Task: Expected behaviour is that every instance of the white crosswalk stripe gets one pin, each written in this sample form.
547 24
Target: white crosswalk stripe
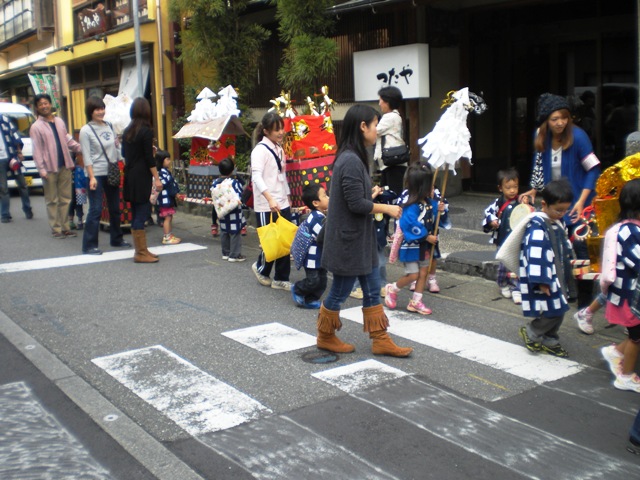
272 338
360 375
193 399
476 347
74 260
35 444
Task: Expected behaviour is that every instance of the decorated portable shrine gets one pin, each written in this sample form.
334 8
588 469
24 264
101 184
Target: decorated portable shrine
603 212
309 143
213 127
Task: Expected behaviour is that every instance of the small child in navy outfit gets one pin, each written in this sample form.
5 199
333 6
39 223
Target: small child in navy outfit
232 224
167 199
307 293
497 221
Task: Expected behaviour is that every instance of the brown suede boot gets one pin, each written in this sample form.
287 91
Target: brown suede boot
141 254
376 324
328 323
144 246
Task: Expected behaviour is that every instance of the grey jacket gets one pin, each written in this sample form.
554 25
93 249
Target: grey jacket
349 241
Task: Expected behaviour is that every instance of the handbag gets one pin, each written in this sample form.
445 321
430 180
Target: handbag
276 238
113 172
300 246
225 198
394 156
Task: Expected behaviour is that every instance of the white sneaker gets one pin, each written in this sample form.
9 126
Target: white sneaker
516 296
225 257
506 292
613 358
627 382
262 280
584 318
281 285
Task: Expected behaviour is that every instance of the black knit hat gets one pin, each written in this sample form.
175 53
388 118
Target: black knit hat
549 103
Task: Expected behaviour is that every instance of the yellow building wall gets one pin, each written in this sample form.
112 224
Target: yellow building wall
117 43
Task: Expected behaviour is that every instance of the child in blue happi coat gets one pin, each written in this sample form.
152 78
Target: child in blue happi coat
232 224
546 279
307 293
419 212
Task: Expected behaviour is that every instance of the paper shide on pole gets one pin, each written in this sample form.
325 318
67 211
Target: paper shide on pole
448 142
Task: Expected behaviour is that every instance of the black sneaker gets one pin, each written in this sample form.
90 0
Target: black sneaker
530 344
633 446
556 350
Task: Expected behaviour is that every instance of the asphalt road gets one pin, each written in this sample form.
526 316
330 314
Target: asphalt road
190 369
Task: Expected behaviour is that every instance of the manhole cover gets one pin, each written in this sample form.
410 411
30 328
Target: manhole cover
319 357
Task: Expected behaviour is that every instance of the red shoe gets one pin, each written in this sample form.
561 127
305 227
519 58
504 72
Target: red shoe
214 230
243 231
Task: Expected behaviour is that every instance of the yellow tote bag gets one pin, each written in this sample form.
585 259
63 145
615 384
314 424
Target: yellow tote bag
276 238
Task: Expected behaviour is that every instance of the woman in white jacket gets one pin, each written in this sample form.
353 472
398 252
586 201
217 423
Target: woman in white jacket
390 133
271 194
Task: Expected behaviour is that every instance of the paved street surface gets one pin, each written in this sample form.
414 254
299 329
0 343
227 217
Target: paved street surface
190 369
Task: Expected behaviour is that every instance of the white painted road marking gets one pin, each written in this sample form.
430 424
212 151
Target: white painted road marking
193 399
35 445
476 347
88 259
360 375
527 450
278 448
272 338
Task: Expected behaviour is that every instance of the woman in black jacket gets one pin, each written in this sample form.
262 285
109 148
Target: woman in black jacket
349 249
140 174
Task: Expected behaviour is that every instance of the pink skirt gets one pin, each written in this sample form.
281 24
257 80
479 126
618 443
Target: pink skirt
167 212
621 315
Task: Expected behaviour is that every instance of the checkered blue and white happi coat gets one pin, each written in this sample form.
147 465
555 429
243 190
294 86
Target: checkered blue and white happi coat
537 266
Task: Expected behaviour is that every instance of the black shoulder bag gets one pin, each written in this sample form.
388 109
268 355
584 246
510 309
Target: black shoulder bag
394 156
113 172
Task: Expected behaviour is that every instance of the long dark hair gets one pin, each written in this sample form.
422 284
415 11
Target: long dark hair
140 117
418 180
351 136
630 200
271 121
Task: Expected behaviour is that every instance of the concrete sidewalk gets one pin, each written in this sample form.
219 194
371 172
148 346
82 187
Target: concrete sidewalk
465 248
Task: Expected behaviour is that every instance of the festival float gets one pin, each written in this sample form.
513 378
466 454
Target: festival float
309 144
212 127
602 213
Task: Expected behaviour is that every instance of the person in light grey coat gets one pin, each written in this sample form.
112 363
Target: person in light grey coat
349 245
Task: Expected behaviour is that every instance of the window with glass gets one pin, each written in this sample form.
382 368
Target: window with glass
16 18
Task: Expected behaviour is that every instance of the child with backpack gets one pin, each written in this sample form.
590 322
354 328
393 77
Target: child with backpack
307 293
621 287
225 192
